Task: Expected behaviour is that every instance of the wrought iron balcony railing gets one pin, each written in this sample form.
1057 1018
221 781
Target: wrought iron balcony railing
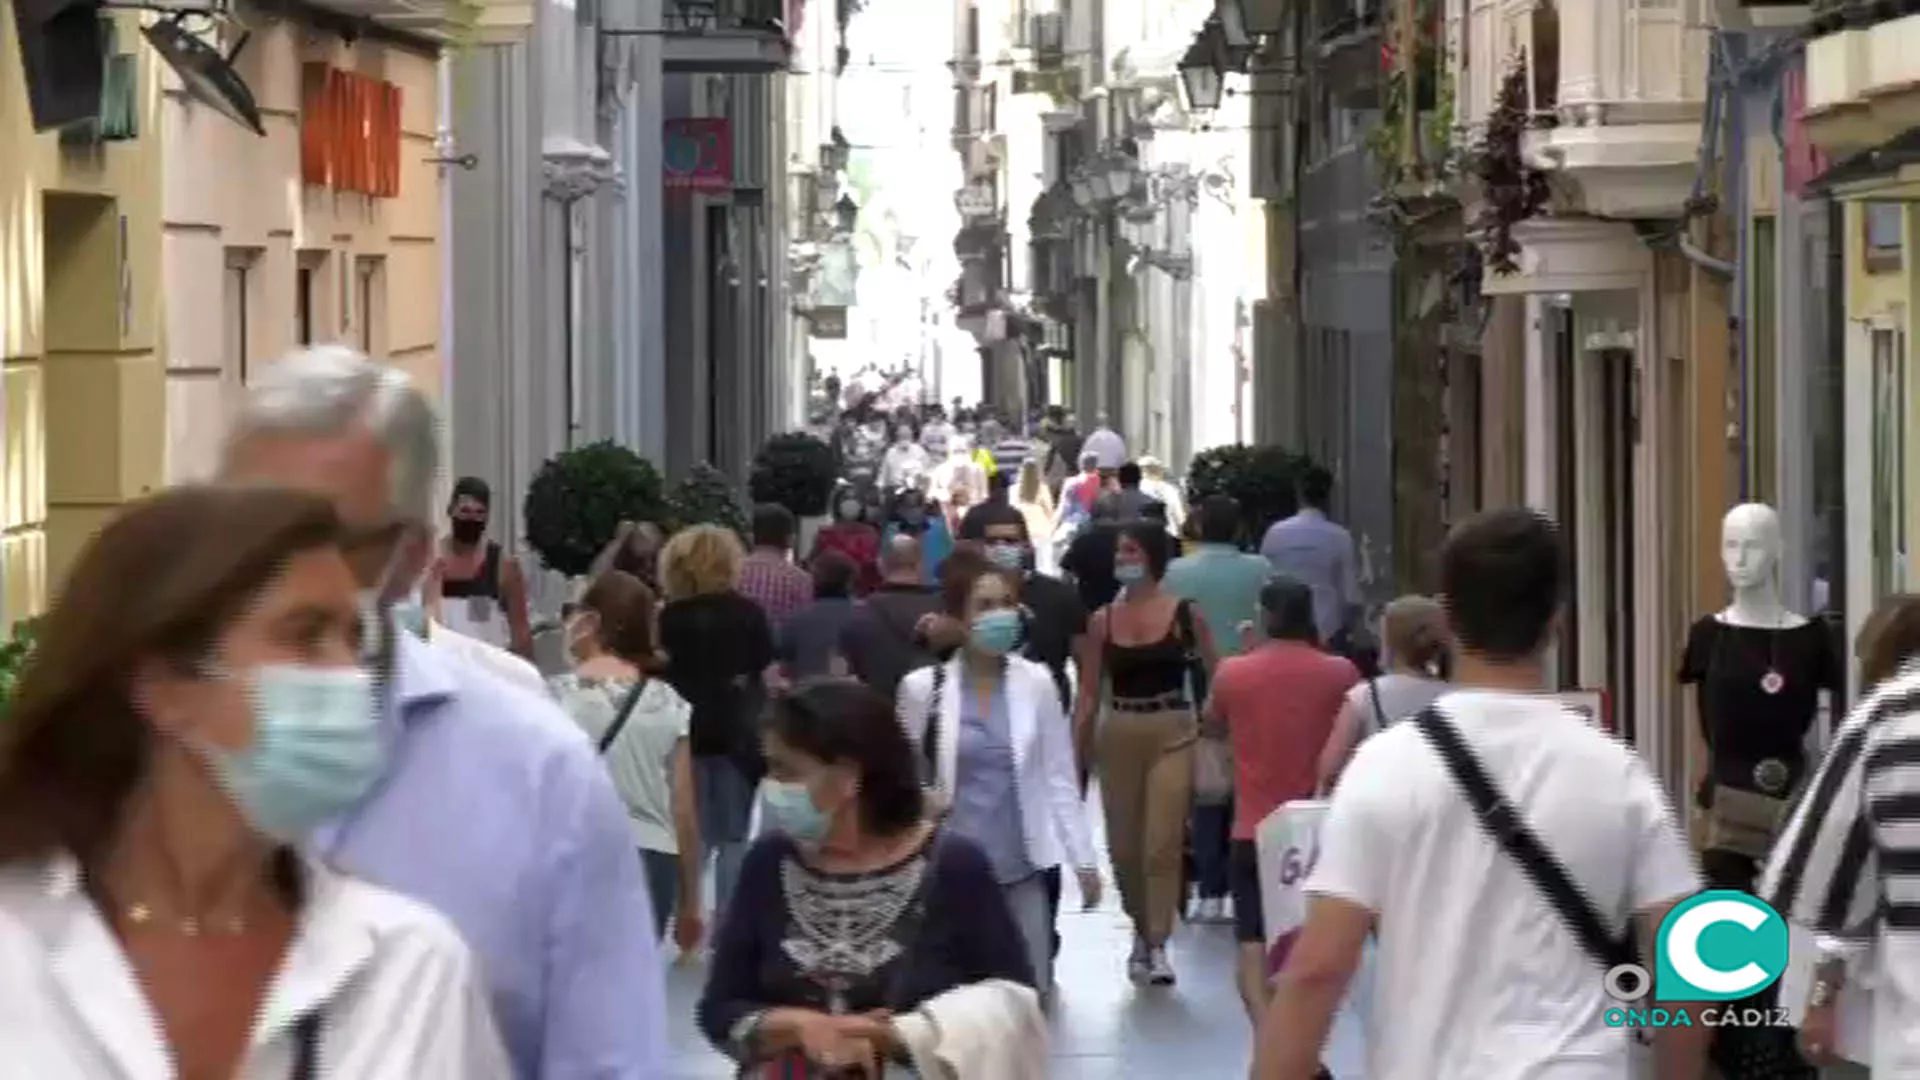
706 16
1830 16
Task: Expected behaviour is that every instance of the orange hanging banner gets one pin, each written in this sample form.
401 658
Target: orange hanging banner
350 132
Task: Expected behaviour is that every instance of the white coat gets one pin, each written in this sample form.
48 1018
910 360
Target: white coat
1052 814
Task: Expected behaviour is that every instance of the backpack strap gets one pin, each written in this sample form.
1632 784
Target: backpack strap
1379 711
1508 829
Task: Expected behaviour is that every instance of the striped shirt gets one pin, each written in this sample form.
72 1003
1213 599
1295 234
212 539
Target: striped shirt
1010 453
1847 863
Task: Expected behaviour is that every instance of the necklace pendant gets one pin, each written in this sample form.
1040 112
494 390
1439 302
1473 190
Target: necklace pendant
1772 682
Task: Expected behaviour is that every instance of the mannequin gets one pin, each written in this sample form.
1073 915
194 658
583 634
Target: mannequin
1759 669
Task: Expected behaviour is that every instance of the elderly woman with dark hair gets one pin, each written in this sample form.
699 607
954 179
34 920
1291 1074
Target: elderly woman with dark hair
854 907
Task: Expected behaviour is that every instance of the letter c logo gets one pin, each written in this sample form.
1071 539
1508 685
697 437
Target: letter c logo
1720 946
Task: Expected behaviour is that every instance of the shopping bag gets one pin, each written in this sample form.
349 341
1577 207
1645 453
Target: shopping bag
1853 1007
1287 844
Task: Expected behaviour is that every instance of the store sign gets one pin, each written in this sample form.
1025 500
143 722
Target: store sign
699 155
349 132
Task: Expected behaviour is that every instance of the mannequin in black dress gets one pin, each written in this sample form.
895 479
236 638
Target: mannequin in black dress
1758 669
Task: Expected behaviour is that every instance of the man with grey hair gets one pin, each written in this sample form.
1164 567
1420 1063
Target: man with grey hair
494 809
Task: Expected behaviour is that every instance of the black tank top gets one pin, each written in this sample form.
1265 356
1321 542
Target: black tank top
486 583
1156 669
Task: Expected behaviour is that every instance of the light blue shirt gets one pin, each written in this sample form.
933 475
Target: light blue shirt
986 800
496 811
1224 582
1318 554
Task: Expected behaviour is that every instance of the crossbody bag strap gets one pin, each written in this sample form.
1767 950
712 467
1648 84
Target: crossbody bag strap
1379 712
626 712
930 739
1503 822
306 1046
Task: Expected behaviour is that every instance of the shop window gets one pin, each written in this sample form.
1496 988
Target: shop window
1882 225
1889 463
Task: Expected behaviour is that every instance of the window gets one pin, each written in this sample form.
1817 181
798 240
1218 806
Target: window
1882 223
1889 463
303 305
237 328
370 304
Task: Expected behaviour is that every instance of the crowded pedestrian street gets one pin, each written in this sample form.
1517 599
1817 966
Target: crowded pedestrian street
959 540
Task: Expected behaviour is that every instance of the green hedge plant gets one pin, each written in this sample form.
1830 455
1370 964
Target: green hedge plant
705 497
579 497
1264 480
797 471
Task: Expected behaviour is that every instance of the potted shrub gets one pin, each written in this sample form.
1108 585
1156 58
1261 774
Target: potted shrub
13 660
799 472
705 497
1263 479
578 499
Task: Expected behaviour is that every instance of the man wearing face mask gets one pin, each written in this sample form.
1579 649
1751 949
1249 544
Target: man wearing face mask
482 592
493 809
904 463
419 613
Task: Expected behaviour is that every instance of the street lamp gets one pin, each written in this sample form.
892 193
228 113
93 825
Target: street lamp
847 213
837 151
1201 77
1120 176
1098 185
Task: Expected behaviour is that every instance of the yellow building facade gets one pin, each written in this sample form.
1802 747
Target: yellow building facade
80 333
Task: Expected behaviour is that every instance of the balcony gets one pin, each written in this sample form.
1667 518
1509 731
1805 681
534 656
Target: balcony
1862 74
1618 88
731 37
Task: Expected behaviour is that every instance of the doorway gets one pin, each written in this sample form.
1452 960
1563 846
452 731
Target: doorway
1618 425
83 261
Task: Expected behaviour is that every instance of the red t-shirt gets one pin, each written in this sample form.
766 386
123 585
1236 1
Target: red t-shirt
1279 702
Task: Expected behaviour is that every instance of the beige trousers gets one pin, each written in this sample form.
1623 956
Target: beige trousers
1146 790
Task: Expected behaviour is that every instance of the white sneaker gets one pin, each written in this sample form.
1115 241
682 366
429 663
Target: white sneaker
1159 969
1226 909
1207 909
1139 966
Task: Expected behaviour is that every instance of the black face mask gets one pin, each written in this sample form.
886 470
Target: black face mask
468 530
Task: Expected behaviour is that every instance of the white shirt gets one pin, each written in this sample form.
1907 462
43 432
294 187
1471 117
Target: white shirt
488 657
640 759
903 465
1477 977
397 990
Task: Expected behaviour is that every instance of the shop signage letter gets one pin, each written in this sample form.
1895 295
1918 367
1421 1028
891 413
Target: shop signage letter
350 132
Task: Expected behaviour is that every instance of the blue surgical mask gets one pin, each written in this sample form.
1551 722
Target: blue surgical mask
1129 573
316 749
789 808
996 632
1007 556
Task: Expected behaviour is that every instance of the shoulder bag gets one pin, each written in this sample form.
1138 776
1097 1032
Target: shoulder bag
306 1047
1503 822
1212 756
626 712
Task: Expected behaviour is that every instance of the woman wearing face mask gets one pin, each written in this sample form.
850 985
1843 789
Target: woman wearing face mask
990 726
182 726
852 536
641 727
1148 650
853 908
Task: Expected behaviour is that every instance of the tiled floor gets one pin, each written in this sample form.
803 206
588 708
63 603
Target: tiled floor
1104 1027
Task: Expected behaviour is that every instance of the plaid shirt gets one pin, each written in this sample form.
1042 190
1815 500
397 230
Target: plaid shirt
778 586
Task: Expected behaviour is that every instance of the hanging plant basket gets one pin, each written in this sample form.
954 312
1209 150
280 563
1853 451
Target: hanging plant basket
1512 190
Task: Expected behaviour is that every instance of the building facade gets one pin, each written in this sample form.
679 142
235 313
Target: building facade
83 384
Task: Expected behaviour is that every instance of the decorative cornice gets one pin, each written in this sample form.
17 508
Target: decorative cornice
573 172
